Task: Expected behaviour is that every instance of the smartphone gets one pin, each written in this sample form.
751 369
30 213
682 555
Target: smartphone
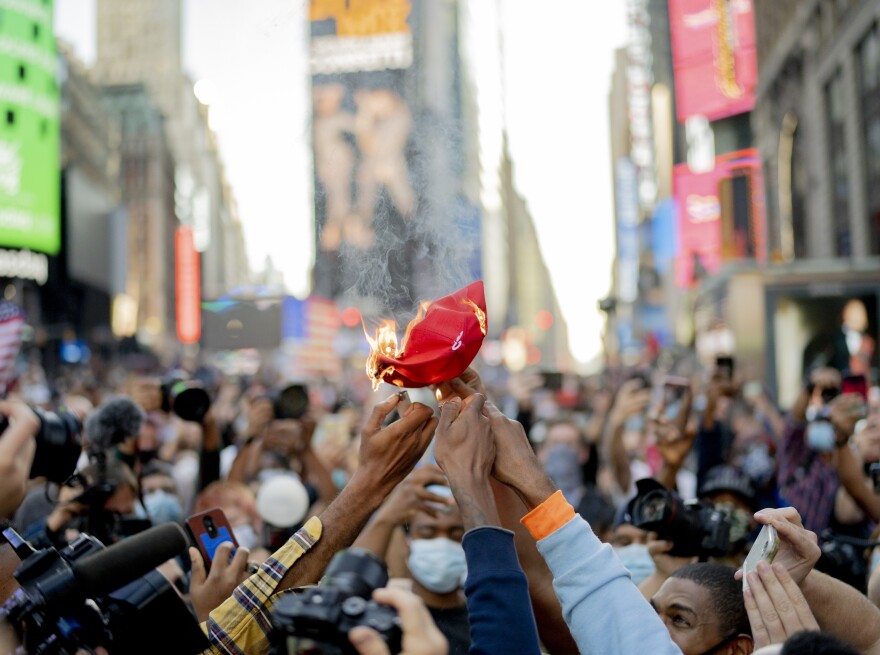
855 384
208 530
725 366
764 550
552 380
674 390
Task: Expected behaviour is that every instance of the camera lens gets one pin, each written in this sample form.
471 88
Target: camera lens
652 508
356 572
59 445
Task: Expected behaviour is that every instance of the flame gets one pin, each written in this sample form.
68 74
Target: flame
481 315
439 395
385 344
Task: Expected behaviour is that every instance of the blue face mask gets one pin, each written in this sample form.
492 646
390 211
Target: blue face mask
820 436
163 507
637 560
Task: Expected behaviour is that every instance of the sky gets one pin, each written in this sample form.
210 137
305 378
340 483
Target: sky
557 62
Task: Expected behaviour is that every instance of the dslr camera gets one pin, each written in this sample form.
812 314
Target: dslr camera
316 620
290 402
695 528
186 398
59 444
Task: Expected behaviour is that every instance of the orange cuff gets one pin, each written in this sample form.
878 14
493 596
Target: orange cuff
549 516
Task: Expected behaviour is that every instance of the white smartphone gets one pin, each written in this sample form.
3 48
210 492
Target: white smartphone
764 550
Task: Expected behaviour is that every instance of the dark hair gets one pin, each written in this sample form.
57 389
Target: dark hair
725 592
816 643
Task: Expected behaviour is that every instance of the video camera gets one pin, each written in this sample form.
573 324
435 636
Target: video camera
695 528
316 620
85 596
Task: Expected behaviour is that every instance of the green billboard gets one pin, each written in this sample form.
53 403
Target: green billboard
29 127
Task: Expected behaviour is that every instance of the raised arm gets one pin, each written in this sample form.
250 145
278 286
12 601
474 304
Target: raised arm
588 578
497 591
839 609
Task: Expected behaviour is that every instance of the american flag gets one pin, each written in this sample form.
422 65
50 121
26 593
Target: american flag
11 325
310 327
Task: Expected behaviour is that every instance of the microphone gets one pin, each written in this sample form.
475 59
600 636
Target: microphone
130 559
113 422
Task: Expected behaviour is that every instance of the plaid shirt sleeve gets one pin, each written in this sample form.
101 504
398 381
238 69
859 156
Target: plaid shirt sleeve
241 625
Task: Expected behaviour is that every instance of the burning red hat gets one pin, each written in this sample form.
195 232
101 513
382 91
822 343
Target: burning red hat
438 347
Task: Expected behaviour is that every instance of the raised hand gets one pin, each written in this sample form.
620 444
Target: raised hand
387 455
798 547
776 606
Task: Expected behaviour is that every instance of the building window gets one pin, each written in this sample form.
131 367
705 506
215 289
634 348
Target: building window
835 103
869 83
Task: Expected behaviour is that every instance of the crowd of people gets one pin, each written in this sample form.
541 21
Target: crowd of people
511 516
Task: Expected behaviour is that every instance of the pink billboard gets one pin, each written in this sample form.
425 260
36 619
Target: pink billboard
720 215
714 57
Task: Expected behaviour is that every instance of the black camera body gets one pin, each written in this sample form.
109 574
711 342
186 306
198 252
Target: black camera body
59 444
695 528
318 619
58 618
290 402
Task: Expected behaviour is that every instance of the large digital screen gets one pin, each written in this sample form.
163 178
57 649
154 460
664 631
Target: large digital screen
721 215
714 57
29 128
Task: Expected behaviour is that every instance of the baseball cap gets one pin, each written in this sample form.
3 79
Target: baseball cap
443 344
731 479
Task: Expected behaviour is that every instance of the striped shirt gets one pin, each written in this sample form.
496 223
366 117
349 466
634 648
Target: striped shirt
806 480
242 624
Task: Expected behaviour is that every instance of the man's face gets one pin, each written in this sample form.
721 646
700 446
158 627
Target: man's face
687 611
626 534
425 526
122 501
567 435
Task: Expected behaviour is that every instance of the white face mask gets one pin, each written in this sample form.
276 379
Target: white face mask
437 564
636 559
246 536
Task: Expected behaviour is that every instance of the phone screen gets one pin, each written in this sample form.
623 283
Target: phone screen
764 550
725 366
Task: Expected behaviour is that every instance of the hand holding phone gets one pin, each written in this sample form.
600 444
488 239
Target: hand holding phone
208 530
764 550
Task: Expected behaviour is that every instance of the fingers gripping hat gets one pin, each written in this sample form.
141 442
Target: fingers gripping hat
437 347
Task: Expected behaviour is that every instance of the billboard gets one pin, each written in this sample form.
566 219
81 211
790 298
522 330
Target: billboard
627 210
187 285
720 215
29 128
714 57
362 129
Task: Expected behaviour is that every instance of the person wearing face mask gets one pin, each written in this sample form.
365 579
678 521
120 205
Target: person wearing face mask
423 506
160 494
806 474
730 490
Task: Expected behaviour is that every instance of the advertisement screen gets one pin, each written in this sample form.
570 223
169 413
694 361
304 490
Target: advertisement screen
29 128
720 215
362 128
714 57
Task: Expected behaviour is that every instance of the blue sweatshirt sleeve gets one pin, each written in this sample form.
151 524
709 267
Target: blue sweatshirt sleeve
497 591
602 607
